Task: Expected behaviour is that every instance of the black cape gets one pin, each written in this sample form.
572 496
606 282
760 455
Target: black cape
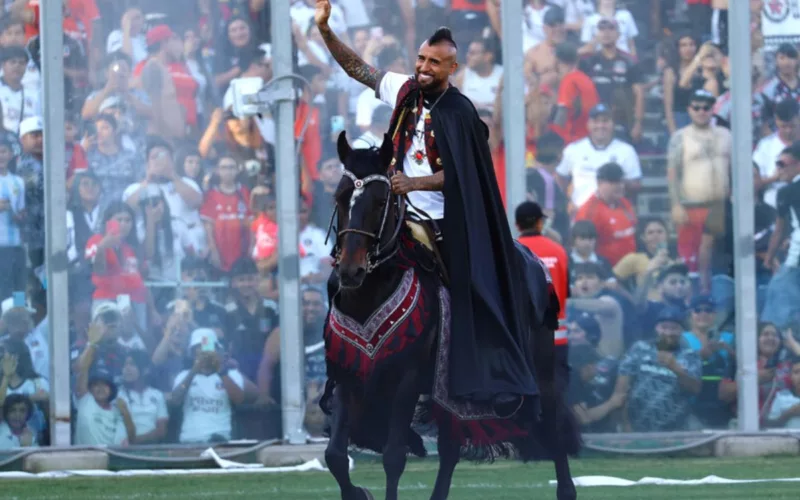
490 351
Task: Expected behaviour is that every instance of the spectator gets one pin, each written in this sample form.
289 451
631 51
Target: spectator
168 84
12 217
12 34
206 312
226 216
594 410
14 429
101 352
330 173
583 158
238 40
308 109
541 60
390 59
671 284
676 97
192 57
698 163
114 166
532 21
264 230
607 10
480 79
705 71
17 105
207 393
783 291
251 320
633 268
83 222
315 262
189 163
785 409
587 295
618 80
30 168
147 406
378 125
170 354
768 149
130 337
717 352
130 39
542 183
577 95
314 314
658 379
785 84
19 327
183 198
114 255
19 377
584 244
611 214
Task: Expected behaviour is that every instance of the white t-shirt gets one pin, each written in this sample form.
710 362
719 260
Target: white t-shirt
533 26
9 440
18 105
482 91
97 425
12 189
582 160
365 106
303 15
138 44
432 202
30 386
206 407
312 240
38 347
135 343
626 26
784 400
187 228
766 154
147 408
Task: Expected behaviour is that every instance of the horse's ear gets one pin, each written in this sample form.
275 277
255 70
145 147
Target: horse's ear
343 147
386 151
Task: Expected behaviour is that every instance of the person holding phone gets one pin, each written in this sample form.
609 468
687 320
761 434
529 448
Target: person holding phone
652 256
114 255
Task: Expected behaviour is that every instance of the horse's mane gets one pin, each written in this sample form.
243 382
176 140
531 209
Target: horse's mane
364 162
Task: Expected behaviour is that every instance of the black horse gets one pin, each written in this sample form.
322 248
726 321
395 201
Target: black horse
387 341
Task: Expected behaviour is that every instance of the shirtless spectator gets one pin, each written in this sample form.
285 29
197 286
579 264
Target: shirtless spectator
541 59
698 164
480 79
765 157
582 159
618 80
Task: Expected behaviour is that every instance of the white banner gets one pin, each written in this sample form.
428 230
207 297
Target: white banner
780 21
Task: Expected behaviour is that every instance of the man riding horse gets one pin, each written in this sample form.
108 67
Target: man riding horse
442 163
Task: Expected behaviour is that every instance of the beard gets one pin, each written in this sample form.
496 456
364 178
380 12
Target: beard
428 82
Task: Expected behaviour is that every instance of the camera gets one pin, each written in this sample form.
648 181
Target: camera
245 100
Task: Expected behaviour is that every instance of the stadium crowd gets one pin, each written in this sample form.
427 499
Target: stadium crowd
172 224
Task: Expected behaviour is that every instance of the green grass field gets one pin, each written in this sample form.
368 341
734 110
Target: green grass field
503 480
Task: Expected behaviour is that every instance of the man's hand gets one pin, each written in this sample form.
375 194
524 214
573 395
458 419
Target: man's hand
667 359
402 184
323 13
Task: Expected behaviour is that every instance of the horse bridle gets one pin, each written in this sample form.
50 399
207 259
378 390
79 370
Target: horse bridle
379 254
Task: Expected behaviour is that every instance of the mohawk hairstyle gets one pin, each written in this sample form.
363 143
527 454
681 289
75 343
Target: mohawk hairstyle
442 34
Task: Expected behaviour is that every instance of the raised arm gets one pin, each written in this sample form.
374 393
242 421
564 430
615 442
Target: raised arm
351 63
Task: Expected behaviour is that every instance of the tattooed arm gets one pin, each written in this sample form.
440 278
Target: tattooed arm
351 63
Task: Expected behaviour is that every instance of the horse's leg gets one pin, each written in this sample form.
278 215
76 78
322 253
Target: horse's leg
449 455
396 451
336 451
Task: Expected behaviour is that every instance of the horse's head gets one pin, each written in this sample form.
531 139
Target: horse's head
367 213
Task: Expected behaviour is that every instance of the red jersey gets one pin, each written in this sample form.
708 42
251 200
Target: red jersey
265 235
616 227
80 16
578 95
122 275
312 142
228 213
556 260
185 87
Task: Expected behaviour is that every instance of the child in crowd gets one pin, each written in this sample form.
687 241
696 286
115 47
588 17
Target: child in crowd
14 429
785 410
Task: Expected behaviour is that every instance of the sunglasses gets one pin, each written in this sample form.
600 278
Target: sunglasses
703 310
697 107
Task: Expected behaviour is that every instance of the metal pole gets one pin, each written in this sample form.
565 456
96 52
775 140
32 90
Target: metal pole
743 216
288 187
55 204
513 109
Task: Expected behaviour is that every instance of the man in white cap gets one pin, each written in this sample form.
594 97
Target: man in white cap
30 167
207 392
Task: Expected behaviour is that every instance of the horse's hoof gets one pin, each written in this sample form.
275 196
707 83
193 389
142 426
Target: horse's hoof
569 493
364 494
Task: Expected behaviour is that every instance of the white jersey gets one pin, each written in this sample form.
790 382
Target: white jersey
97 425
626 27
766 154
206 408
312 240
431 202
9 440
482 90
146 408
18 105
582 160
